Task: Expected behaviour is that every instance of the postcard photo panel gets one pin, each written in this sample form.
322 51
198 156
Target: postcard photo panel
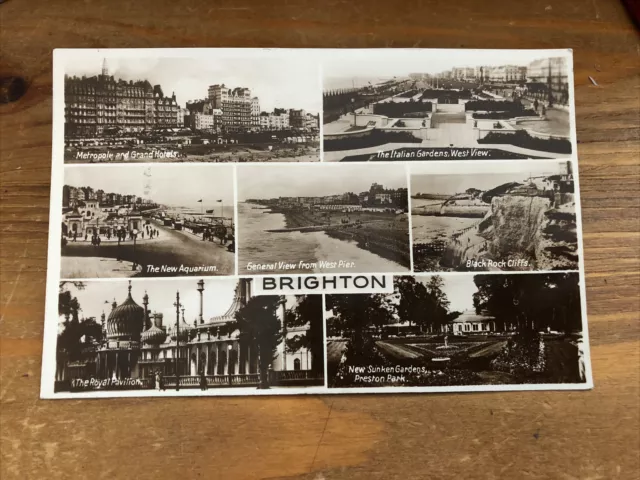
198 106
325 219
147 220
494 216
422 105
202 334
466 330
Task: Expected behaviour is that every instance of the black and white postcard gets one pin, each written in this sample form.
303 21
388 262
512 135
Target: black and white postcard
147 220
493 216
465 104
123 108
328 218
313 221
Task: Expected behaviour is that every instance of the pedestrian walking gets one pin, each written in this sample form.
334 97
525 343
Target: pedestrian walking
535 105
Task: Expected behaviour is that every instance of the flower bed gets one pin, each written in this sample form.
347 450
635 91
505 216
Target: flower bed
373 139
527 112
397 110
493 106
524 354
521 138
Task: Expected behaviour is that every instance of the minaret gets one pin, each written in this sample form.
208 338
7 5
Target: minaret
104 327
201 290
145 302
105 68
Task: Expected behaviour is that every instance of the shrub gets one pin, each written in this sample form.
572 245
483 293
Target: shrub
524 354
521 138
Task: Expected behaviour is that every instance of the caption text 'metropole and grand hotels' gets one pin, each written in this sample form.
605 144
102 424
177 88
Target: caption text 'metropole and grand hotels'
242 222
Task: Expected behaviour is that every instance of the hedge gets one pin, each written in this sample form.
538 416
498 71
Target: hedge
521 138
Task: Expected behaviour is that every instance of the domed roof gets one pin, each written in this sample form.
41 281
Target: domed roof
184 331
126 321
154 335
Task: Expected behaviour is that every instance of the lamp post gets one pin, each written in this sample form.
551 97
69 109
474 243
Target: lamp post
177 304
119 238
229 349
549 85
353 109
135 235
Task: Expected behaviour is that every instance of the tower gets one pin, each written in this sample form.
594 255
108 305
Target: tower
201 290
145 302
105 68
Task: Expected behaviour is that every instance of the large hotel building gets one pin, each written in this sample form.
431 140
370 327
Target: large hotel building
240 111
96 105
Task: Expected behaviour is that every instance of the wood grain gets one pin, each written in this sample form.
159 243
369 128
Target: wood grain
533 435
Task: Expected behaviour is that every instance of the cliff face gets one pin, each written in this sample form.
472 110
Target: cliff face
513 230
518 233
558 247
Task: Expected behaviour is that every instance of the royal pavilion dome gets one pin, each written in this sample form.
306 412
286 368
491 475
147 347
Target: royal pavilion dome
154 335
184 331
126 321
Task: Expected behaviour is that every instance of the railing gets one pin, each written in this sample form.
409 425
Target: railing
283 378
242 379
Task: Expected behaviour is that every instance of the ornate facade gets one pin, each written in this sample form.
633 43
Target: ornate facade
102 105
140 344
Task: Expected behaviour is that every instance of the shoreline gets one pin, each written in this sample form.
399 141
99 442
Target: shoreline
364 236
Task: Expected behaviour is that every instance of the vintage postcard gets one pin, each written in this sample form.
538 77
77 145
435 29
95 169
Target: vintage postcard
311 221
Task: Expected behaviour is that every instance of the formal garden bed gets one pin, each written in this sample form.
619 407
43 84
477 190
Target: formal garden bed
373 139
524 354
399 109
506 115
522 138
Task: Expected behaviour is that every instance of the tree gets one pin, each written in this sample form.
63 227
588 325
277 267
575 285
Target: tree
309 312
439 303
531 302
76 334
259 324
420 304
357 313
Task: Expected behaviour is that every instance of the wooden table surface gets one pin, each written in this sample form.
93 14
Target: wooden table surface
528 435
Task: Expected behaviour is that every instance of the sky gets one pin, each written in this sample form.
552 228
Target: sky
385 64
277 82
315 180
173 185
96 297
482 177
459 290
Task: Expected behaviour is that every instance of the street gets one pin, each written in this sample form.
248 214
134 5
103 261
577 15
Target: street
172 248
